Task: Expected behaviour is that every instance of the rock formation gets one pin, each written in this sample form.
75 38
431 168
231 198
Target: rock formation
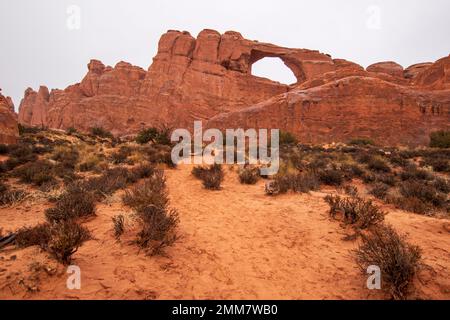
9 131
209 78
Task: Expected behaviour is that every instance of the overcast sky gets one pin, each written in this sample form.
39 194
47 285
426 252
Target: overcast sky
44 42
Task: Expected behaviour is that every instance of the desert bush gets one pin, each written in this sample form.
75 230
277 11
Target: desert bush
144 170
298 182
378 164
9 197
249 175
158 154
71 131
31 130
287 138
211 176
101 132
66 156
36 173
411 204
121 155
363 157
305 182
147 135
397 259
361 142
425 192
330 176
4 149
351 190
20 155
368 177
440 139
386 178
75 202
65 239
154 135
119 225
442 185
109 182
379 190
150 201
355 211
33 236
411 172
352 170
438 164
149 192
90 164
158 228
398 161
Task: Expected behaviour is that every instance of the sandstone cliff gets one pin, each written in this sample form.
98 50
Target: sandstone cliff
209 77
9 131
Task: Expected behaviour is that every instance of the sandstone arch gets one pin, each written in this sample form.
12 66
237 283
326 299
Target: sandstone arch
291 63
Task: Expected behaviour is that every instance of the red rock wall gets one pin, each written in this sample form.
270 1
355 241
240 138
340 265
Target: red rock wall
9 131
210 77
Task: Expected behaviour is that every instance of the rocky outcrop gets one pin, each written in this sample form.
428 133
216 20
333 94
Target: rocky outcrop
388 67
9 131
351 107
209 77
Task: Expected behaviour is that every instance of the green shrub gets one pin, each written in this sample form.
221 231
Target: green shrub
147 135
397 259
440 139
100 132
154 135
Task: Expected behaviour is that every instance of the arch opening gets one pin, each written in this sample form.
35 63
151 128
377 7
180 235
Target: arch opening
274 69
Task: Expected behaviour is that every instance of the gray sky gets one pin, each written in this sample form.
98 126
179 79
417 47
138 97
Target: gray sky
42 43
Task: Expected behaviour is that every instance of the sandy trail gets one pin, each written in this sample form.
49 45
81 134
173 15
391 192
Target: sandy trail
236 243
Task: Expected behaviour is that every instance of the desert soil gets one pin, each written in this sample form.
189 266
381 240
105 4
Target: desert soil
236 243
